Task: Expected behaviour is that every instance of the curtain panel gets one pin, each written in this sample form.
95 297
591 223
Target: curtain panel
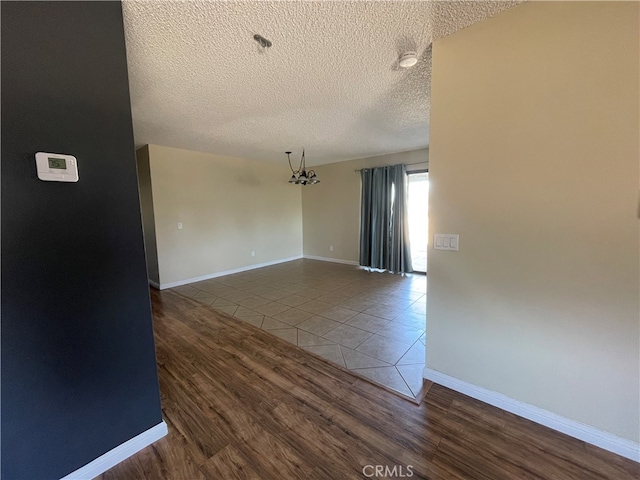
384 229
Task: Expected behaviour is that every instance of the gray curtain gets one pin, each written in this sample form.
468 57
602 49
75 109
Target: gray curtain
384 229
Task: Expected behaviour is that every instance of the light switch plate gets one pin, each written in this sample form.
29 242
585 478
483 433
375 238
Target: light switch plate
446 241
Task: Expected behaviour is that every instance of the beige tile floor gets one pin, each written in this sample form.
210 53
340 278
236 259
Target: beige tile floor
370 322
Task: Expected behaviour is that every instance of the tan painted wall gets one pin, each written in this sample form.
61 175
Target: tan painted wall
331 208
228 207
534 161
146 207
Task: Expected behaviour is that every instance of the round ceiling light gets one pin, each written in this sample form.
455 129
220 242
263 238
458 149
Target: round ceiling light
408 59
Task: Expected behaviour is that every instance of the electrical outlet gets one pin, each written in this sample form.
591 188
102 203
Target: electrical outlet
331 248
253 253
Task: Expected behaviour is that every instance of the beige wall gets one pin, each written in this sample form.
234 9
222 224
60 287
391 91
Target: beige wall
228 207
146 207
534 161
331 208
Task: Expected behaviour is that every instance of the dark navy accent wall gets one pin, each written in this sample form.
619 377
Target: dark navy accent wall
78 367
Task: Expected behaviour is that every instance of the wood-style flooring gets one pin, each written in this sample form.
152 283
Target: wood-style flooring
242 403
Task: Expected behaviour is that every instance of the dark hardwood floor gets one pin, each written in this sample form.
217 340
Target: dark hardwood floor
241 403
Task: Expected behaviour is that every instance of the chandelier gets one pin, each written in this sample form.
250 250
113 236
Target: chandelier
301 176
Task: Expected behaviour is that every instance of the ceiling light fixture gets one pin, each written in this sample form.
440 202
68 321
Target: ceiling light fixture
301 176
408 59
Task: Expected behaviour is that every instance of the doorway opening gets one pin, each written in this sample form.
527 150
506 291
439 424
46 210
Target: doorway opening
418 206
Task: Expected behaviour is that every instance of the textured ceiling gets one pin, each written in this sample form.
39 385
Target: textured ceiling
330 82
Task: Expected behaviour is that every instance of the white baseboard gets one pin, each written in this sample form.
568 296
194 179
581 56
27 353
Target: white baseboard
586 433
154 284
164 286
118 454
334 260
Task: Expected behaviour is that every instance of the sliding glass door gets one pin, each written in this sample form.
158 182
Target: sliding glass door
418 206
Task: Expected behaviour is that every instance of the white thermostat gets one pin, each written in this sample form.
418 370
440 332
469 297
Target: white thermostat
56 167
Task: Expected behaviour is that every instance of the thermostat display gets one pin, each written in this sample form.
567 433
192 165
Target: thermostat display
59 163
56 167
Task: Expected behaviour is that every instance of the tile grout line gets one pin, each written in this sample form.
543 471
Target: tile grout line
343 359
405 380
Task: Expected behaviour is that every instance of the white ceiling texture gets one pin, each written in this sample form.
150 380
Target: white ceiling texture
330 82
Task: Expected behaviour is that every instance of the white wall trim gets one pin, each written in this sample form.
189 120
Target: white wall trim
164 286
118 454
586 433
154 284
334 260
